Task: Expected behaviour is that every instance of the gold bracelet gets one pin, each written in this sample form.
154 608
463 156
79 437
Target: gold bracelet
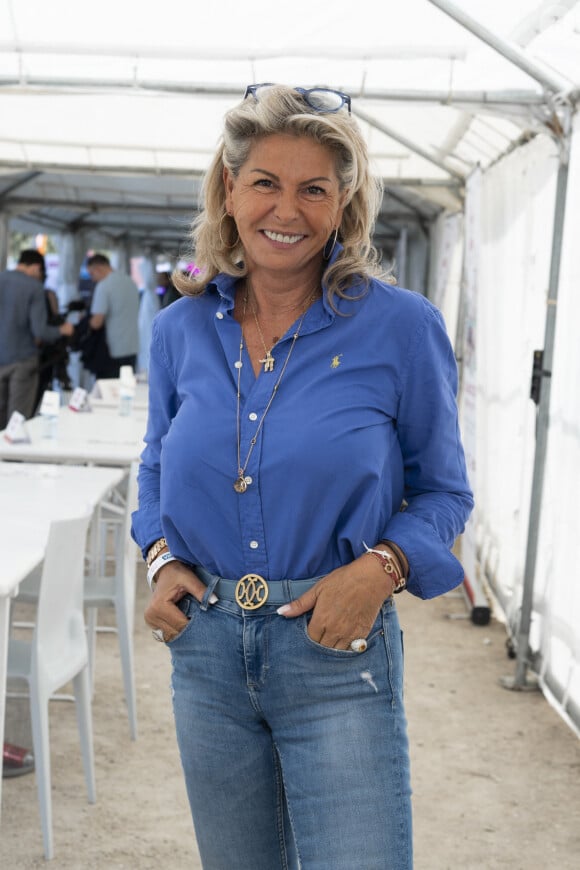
154 550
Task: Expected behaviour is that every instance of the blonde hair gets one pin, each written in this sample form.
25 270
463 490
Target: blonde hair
280 109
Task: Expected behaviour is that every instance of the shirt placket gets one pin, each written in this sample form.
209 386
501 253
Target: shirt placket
250 503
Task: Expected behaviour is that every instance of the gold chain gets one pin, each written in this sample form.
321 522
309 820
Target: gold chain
240 484
268 360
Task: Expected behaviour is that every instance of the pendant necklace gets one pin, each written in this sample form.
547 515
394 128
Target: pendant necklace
240 483
269 361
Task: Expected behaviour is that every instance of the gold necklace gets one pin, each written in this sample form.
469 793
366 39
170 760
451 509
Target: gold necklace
269 361
240 483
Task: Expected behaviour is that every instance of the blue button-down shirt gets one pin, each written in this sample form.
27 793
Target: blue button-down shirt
361 442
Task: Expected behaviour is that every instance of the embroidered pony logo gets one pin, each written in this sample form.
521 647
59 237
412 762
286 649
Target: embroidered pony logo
335 362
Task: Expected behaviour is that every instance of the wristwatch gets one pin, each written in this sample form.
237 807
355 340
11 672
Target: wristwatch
154 550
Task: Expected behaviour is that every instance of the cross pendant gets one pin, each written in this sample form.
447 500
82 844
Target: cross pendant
268 362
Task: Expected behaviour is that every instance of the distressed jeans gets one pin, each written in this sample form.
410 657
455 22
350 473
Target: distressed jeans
295 755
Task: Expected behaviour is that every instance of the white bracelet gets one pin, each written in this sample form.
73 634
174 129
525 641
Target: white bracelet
156 565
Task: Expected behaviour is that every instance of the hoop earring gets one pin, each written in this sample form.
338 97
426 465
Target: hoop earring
226 214
326 251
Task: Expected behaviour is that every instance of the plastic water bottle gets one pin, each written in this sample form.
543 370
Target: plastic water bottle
49 426
125 402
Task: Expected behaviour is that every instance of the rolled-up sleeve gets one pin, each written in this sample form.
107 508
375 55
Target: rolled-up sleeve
438 498
163 404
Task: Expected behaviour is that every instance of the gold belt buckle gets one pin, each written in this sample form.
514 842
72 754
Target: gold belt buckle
251 591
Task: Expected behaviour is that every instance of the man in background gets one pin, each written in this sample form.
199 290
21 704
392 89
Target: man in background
115 308
23 327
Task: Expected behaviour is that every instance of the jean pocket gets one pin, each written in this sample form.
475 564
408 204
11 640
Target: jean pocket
188 607
376 631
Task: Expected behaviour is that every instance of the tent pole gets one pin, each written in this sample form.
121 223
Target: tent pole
412 146
4 238
519 681
509 50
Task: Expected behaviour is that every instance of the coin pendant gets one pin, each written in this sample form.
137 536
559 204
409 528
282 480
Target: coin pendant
240 484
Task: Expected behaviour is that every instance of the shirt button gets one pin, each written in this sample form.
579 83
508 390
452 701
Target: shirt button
252 416
254 545
220 315
248 479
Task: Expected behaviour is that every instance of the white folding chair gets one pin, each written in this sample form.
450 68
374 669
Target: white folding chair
57 653
118 591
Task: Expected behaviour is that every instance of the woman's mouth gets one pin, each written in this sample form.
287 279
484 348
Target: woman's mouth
284 238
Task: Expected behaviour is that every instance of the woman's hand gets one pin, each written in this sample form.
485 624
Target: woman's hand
345 603
173 581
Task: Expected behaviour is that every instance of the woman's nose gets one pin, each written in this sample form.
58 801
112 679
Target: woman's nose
286 208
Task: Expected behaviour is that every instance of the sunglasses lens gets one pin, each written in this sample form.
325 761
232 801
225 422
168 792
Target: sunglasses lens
321 100
325 101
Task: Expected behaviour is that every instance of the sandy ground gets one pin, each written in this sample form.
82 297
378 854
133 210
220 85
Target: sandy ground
496 774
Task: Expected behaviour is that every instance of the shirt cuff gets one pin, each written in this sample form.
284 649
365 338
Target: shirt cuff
146 527
433 569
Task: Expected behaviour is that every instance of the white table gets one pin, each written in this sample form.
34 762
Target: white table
31 496
99 437
107 394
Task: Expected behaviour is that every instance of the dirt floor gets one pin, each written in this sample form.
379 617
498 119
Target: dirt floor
496 774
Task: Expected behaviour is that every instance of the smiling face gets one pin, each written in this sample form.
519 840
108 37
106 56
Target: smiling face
286 203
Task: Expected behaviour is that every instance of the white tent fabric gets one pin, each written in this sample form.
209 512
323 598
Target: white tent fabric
516 207
125 106
557 591
108 120
180 66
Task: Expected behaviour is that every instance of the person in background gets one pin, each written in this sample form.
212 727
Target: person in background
115 308
170 291
23 327
53 356
303 463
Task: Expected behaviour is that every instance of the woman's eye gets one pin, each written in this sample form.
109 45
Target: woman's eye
314 190
263 182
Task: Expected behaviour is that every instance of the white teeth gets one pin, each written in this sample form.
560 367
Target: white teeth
278 237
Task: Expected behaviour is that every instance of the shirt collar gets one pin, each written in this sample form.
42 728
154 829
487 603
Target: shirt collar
225 285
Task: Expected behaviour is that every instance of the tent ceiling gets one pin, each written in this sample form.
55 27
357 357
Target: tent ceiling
110 121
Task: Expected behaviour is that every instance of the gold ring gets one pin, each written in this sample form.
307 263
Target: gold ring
251 591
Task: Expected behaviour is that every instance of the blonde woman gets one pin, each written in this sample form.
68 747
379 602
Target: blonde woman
303 463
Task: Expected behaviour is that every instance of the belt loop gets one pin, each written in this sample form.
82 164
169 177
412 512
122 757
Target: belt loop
211 585
287 590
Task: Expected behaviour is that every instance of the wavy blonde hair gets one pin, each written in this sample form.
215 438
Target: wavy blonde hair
216 245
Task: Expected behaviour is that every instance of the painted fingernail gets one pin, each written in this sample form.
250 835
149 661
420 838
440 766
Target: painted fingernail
283 610
213 599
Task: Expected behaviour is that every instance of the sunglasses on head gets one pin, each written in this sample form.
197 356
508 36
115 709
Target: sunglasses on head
324 101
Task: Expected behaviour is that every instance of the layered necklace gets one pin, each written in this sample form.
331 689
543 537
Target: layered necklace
240 483
269 362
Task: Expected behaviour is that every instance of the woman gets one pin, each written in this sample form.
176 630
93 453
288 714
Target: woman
297 403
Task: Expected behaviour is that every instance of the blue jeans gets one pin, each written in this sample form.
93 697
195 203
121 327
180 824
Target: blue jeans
295 755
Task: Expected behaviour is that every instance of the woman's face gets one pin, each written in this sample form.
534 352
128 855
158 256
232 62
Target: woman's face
286 203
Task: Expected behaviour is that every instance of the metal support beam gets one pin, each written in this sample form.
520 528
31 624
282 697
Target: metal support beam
94 207
16 184
412 146
509 50
514 98
519 682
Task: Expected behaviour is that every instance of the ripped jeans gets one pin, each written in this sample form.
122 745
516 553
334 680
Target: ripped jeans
295 755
